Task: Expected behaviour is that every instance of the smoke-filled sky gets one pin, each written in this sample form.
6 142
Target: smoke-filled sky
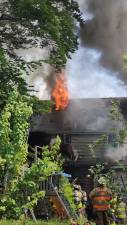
108 31
97 68
88 79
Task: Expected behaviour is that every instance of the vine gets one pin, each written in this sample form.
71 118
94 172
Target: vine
21 183
14 125
67 189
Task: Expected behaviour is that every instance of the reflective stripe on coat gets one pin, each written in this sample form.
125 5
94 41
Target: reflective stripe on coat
101 198
121 210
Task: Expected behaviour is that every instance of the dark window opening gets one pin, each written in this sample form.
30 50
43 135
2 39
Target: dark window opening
66 139
35 141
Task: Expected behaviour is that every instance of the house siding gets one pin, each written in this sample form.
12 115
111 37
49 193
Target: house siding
81 144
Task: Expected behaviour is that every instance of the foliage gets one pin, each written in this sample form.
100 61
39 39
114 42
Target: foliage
50 222
82 220
116 115
13 76
21 183
39 172
125 60
40 106
118 178
29 222
10 76
14 125
115 177
68 192
118 132
92 147
96 171
26 23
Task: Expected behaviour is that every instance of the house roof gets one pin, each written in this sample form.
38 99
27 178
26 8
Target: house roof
81 116
86 120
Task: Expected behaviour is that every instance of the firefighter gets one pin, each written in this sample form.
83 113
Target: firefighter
80 199
101 197
84 198
112 212
84 202
120 211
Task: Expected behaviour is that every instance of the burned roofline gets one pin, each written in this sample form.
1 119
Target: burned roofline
82 116
108 98
72 133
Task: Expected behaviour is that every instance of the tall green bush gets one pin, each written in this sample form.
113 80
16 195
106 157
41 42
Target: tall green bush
67 189
20 183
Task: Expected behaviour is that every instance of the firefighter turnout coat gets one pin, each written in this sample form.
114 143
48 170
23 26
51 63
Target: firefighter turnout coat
121 210
101 197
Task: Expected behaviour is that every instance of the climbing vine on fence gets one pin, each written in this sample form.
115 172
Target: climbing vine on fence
14 125
67 190
19 182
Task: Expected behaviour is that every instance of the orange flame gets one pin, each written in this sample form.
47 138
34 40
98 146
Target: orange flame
60 93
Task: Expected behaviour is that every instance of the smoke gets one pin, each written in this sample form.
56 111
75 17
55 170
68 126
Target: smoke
41 78
90 115
118 153
88 79
84 7
107 32
33 54
96 69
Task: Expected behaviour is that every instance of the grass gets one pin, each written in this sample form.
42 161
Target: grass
21 222
51 222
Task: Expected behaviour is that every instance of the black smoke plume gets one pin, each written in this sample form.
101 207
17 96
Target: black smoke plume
107 31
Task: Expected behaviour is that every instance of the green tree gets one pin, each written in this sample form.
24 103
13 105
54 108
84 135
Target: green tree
11 76
116 115
19 181
28 23
40 106
25 24
14 125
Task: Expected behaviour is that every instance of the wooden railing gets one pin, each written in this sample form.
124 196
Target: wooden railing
47 185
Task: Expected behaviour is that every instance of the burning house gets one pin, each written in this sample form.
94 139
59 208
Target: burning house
88 134
86 131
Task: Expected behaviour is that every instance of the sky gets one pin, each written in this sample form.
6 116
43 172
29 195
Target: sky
96 69
90 74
